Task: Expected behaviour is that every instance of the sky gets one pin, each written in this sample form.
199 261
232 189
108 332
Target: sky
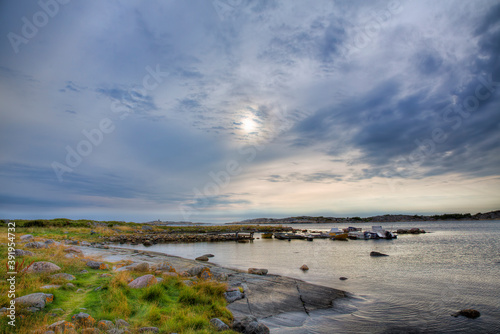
222 110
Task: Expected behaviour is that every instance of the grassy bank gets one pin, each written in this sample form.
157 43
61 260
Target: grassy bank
113 227
170 305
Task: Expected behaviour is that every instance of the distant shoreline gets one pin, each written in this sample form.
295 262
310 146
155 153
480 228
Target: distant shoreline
493 215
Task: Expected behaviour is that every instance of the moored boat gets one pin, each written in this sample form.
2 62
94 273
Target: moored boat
381 233
288 236
337 234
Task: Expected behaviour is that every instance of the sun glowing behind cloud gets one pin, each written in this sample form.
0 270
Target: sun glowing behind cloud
248 125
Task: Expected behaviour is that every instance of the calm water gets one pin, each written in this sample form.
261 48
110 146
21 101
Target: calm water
414 290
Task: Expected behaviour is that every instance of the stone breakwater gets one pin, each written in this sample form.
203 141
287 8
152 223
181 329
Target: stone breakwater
150 239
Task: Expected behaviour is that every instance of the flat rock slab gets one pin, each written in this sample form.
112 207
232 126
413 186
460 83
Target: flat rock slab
265 295
271 295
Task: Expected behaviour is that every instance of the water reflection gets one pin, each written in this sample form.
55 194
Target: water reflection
424 279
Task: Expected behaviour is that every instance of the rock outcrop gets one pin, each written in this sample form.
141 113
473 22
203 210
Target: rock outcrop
233 295
377 254
97 265
256 271
468 313
35 301
250 325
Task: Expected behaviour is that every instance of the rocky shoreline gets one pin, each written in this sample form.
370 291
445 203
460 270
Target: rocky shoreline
493 215
264 296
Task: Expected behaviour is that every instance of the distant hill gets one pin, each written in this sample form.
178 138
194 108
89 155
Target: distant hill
493 215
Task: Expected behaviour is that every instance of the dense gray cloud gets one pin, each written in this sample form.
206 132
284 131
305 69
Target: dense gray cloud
322 94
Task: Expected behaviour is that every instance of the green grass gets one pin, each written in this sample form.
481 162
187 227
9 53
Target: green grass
169 305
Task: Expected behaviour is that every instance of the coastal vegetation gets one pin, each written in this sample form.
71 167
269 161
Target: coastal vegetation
170 305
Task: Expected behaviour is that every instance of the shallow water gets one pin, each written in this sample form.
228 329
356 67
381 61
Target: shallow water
414 290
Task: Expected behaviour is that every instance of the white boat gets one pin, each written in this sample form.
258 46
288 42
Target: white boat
377 232
356 235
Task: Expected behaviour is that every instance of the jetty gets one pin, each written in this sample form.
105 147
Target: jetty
155 238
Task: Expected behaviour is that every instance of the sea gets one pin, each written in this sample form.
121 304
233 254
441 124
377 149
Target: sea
424 280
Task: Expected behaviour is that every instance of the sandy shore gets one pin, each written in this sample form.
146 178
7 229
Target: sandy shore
271 298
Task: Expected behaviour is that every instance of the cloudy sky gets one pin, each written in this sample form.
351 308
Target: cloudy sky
222 110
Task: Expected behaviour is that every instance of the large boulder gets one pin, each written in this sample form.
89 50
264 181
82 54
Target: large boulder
256 271
143 281
377 254
97 265
35 300
149 330
250 325
202 258
468 313
42 267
